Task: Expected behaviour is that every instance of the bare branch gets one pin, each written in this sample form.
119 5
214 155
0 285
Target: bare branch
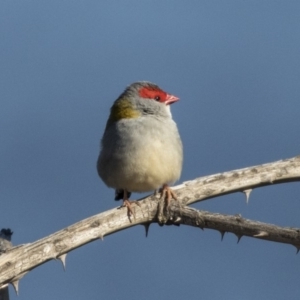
241 180
235 224
16 262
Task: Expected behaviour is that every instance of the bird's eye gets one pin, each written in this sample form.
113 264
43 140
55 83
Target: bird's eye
157 98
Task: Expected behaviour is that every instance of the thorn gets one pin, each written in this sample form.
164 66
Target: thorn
261 234
222 234
62 259
147 225
15 284
298 249
247 193
178 219
238 238
201 227
272 178
101 237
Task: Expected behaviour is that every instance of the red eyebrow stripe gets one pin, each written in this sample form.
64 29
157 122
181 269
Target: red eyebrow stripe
152 93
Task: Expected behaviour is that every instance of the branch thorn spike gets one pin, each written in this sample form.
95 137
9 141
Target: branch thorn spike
261 234
146 225
298 249
222 234
272 178
247 193
62 259
101 237
15 284
178 219
238 238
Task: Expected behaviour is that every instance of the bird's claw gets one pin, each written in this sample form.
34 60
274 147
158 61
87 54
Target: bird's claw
127 203
167 194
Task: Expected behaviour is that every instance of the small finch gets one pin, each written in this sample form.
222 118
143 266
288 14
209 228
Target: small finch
141 149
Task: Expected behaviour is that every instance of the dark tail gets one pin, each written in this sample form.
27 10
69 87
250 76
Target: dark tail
119 194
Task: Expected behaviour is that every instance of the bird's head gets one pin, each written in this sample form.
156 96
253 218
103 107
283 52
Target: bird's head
141 98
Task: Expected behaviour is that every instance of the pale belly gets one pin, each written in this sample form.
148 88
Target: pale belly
143 161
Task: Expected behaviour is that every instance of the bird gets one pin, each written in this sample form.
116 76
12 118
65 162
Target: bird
5 245
5 240
141 149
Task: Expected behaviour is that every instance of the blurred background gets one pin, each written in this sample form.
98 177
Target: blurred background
235 66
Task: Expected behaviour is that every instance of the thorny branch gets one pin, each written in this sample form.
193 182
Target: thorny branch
19 260
235 224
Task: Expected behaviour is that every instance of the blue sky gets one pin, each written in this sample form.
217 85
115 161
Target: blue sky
235 66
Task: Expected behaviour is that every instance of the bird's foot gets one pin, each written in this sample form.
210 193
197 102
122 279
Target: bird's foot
127 203
167 194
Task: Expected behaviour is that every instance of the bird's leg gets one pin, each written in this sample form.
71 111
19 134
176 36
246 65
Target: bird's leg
164 212
128 204
167 194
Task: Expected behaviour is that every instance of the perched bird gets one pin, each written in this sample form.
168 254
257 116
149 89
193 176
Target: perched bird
5 244
5 240
141 149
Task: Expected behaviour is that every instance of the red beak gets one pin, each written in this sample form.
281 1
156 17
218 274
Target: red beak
171 99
